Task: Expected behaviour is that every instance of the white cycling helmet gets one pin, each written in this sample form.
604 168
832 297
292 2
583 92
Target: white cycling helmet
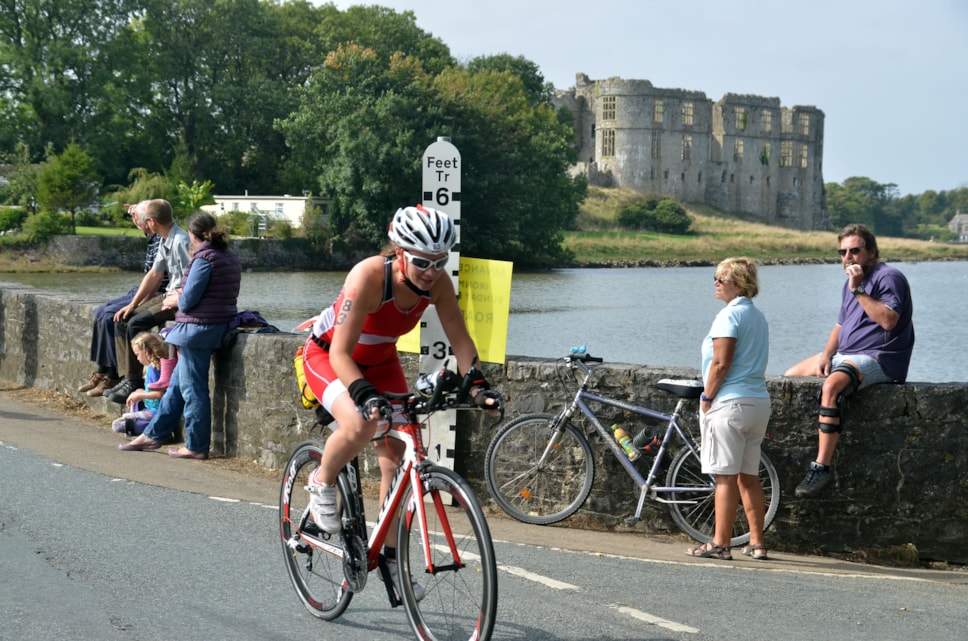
422 229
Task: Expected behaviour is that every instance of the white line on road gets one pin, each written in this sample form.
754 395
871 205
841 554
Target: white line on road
654 620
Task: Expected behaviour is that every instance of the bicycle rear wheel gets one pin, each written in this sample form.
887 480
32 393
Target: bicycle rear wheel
460 577
314 559
697 515
533 490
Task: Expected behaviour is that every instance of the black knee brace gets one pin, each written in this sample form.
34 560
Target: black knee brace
832 412
841 410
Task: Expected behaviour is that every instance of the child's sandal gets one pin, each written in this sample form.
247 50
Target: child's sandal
710 551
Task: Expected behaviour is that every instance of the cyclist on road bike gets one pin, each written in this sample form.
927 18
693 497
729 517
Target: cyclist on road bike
351 356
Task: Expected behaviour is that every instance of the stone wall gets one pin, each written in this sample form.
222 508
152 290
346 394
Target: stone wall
128 253
901 471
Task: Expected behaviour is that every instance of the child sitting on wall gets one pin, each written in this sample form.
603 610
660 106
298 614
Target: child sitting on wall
143 403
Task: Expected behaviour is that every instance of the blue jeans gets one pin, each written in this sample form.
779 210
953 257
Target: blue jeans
187 394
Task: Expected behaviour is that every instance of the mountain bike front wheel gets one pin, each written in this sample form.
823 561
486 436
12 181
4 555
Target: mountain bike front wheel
538 470
459 579
695 513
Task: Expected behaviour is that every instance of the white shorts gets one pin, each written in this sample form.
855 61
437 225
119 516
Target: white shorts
732 432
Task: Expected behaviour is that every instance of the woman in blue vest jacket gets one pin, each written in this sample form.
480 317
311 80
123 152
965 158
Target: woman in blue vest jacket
206 305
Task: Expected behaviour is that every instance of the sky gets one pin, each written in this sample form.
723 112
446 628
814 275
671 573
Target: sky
891 76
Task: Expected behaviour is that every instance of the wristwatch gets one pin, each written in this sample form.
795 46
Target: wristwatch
858 290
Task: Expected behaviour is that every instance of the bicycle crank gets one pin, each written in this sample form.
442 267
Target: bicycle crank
355 568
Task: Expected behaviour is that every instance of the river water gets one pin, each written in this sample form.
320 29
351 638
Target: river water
646 316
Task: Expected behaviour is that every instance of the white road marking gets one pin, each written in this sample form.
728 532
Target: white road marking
654 620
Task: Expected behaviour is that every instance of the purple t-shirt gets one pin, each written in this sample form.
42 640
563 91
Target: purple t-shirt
861 335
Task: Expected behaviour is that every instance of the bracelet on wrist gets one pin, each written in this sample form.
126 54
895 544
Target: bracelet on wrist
705 399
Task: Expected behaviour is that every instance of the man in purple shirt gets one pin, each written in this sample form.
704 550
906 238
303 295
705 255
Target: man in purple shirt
871 343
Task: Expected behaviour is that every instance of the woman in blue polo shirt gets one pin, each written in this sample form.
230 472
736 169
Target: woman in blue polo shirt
735 407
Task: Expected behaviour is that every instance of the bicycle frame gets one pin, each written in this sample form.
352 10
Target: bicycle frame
408 475
645 484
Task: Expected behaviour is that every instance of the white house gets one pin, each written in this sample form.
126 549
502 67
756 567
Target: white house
269 209
959 225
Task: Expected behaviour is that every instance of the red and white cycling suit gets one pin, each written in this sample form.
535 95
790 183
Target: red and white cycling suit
376 351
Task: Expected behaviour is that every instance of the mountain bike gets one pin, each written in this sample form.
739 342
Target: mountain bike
540 467
443 541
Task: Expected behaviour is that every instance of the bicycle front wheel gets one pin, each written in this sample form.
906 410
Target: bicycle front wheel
314 559
459 576
539 474
695 509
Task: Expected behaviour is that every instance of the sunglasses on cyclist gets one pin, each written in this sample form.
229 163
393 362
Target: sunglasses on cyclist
720 281
853 251
423 264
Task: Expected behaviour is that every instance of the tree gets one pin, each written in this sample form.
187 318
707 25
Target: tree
68 182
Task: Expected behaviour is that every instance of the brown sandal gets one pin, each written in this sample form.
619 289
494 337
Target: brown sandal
710 551
757 552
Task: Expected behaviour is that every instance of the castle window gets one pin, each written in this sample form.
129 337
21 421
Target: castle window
608 143
765 154
656 144
741 118
665 174
803 156
657 110
687 147
786 154
608 108
687 112
766 121
700 176
738 150
593 131
804 124
751 180
788 122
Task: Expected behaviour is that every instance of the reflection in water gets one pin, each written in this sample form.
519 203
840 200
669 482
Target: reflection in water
644 316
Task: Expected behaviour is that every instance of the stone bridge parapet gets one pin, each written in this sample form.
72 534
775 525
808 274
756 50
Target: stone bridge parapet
901 470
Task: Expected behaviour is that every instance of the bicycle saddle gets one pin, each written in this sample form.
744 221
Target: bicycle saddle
685 388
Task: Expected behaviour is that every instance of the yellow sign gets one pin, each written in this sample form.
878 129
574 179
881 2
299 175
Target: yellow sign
485 300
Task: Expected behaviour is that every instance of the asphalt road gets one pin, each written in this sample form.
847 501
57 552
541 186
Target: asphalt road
97 544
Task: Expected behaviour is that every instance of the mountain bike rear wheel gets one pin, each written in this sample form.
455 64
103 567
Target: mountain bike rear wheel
696 516
533 490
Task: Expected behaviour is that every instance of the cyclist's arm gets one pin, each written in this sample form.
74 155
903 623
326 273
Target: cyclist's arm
451 319
362 291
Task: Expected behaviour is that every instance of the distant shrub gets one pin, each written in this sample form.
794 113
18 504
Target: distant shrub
671 218
652 213
12 218
40 227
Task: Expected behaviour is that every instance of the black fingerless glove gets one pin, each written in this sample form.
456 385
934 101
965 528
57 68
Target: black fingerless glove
366 397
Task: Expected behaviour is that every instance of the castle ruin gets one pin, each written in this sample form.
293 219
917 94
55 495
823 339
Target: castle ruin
742 154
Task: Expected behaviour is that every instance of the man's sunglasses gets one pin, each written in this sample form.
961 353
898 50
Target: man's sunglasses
423 264
853 251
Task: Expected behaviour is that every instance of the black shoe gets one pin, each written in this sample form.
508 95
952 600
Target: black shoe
817 478
120 393
110 389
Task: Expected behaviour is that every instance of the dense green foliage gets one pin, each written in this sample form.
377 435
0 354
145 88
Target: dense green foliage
179 99
68 182
270 97
862 200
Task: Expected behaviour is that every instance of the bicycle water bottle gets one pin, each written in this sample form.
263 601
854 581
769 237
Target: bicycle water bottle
644 440
623 439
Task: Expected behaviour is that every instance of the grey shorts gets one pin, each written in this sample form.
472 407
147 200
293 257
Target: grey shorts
869 368
731 433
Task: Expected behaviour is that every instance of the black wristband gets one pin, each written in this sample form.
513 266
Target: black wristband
360 390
